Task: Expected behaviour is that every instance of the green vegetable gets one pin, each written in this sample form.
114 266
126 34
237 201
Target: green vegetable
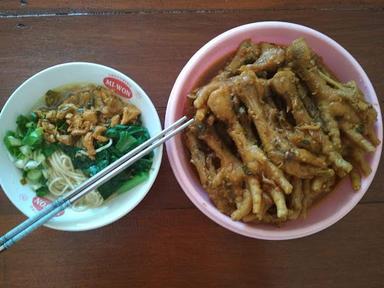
21 122
34 175
35 185
33 117
42 191
126 142
112 133
31 164
48 148
9 142
26 137
125 138
13 141
39 157
26 150
33 137
20 163
134 181
27 131
122 183
26 121
97 167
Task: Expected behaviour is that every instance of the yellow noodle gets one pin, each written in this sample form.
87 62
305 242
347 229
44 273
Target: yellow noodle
63 178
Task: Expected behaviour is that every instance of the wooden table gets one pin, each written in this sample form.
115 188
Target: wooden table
166 241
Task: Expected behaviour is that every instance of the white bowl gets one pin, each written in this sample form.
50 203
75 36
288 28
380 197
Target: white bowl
27 96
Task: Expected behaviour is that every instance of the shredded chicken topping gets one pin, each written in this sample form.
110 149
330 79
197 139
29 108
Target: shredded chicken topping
81 115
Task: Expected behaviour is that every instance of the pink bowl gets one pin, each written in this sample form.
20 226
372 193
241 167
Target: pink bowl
335 205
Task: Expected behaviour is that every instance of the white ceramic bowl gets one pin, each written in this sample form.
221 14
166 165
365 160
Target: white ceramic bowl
28 95
335 205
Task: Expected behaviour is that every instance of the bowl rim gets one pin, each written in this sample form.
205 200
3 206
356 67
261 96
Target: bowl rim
177 166
155 165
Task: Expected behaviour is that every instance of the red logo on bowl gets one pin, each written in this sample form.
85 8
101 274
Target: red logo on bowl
41 202
118 86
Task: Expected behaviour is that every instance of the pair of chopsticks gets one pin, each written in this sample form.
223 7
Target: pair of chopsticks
61 203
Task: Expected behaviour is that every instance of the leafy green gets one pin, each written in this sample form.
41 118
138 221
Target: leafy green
122 182
13 149
22 122
42 191
21 143
34 175
33 117
13 141
126 142
137 131
48 148
27 131
34 137
134 181
97 167
25 150
125 138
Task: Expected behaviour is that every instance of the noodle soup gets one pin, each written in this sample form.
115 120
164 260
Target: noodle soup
78 131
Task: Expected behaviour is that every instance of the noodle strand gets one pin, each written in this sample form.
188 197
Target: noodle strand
63 178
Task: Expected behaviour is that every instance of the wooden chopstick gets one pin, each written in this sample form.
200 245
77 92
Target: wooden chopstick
92 183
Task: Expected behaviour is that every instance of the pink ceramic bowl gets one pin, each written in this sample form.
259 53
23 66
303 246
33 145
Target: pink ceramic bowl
335 205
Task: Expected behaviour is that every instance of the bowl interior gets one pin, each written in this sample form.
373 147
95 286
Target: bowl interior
327 211
26 97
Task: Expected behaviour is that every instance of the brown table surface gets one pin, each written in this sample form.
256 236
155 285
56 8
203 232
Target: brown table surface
166 241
